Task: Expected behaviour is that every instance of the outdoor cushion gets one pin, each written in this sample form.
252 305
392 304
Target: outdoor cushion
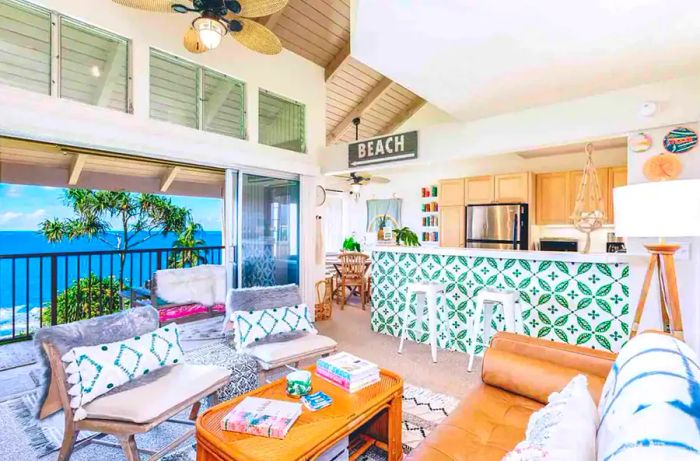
256 325
168 314
149 401
95 370
273 355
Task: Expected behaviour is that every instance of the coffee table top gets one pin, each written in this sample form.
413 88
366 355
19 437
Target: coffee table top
312 433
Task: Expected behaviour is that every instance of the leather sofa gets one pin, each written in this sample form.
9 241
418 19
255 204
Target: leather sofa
518 375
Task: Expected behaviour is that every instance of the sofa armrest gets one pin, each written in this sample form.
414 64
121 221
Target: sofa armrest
535 368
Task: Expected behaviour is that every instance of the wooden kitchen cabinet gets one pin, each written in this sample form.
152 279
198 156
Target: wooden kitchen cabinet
512 188
574 182
479 189
452 226
617 177
451 193
553 198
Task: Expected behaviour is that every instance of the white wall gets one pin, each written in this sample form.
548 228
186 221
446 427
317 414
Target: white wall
687 263
45 118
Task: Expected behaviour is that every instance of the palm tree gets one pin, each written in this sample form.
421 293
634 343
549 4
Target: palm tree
184 256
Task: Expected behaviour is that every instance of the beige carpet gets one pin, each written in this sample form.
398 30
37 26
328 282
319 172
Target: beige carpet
351 329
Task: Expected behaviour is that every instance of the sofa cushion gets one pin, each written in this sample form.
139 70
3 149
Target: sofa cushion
530 377
273 355
148 402
486 425
650 406
95 370
257 325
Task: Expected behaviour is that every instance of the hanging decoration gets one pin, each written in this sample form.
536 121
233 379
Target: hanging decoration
662 167
640 142
589 214
680 140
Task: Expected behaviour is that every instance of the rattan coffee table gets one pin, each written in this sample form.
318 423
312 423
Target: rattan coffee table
371 416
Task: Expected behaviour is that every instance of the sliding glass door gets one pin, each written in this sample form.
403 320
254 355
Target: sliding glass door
269 231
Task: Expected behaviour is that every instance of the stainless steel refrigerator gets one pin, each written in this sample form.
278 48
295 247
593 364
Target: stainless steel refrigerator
501 226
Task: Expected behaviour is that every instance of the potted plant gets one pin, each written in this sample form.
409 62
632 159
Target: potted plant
406 237
350 244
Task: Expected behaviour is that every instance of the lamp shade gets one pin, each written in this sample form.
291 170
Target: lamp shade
658 209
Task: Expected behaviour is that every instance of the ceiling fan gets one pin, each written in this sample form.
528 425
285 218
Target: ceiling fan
217 18
358 180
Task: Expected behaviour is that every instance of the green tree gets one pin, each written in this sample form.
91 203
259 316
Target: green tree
140 217
183 256
86 298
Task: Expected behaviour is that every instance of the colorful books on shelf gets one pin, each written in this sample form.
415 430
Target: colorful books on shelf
348 371
265 417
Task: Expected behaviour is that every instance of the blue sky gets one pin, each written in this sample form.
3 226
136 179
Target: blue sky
24 207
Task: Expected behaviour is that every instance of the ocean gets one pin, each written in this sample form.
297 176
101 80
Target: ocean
22 287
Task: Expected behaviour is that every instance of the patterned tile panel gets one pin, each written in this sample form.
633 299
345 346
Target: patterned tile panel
576 303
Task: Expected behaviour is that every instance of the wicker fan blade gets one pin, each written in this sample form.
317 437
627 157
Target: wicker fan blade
260 8
159 6
192 43
257 37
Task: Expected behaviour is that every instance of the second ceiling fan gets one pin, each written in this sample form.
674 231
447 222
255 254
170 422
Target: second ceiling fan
218 18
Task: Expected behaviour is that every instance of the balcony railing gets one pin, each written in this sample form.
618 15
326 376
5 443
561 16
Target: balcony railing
40 289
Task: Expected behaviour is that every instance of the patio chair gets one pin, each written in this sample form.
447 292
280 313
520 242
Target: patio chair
280 350
132 408
187 294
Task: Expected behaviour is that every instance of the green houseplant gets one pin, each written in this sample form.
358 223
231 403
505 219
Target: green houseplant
405 236
380 227
350 244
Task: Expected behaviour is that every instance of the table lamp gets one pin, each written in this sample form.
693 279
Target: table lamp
659 209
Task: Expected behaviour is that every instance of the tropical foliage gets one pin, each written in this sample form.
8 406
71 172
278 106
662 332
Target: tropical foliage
86 298
139 218
350 244
183 256
406 237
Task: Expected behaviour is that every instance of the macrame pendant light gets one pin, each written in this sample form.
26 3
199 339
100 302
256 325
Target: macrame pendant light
589 214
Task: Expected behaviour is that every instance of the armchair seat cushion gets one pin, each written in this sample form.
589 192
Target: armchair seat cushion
273 355
151 400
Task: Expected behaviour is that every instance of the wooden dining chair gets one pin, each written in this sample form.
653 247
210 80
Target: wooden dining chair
352 275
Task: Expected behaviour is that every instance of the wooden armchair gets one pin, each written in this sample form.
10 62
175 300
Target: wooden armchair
133 408
353 266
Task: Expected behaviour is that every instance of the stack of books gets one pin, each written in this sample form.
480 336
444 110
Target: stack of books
347 371
256 416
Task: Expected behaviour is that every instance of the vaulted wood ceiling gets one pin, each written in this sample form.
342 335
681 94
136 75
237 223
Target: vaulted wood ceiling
319 30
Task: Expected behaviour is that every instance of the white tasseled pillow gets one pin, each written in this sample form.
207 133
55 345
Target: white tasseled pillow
96 370
564 430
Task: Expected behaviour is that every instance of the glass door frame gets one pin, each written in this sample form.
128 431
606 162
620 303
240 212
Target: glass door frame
234 222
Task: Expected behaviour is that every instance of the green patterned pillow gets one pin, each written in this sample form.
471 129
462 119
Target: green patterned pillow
96 370
252 326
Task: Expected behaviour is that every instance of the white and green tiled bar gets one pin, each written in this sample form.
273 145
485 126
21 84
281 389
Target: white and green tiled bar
584 299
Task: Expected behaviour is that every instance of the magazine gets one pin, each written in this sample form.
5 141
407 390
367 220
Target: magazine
265 417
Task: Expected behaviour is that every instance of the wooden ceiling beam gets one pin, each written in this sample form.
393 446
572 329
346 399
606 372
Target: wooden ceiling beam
337 62
399 120
372 97
76 169
168 178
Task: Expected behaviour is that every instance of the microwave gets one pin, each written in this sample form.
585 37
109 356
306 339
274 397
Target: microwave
558 244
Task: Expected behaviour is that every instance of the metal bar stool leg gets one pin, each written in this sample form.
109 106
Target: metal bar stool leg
431 301
474 331
406 319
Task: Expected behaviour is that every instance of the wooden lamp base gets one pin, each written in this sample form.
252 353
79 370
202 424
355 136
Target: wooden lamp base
661 261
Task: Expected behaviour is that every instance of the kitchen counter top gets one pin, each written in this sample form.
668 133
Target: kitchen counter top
607 258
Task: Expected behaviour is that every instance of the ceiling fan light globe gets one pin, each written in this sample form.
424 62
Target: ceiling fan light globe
355 188
210 31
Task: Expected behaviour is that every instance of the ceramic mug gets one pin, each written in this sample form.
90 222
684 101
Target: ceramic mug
298 383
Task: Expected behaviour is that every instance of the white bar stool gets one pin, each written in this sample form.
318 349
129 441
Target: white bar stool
512 311
429 291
